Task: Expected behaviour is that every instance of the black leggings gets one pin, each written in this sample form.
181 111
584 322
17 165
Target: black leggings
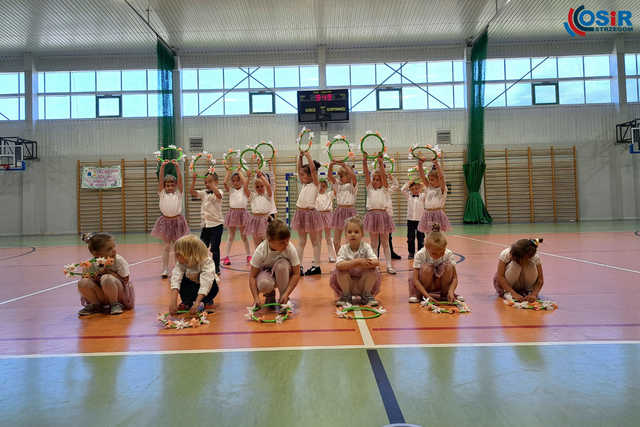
189 292
212 236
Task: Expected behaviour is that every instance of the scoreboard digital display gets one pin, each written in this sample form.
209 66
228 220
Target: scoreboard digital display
329 105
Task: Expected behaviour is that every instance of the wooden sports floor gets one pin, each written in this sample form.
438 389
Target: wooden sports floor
578 365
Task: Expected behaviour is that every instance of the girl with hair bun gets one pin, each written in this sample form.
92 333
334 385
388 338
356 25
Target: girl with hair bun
520 271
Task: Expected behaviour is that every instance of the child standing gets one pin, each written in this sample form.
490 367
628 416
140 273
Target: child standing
377 221
211 218
171 225
324 206
345 190
273 182
109 285
261 201
435 198
434 270
520 271
356 272
415 208
193 278
393 187
307 220
237 215
275 264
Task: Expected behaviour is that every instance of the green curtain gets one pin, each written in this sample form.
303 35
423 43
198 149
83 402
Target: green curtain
475 211
166 120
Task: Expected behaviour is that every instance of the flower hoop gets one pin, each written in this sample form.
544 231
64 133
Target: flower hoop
71 270
228 157
210 160
538 305
269 152
377 137
303 144
440 307
160 153
339 140
386 160
194 322
424 152
287 308
343 312
255 155
412 174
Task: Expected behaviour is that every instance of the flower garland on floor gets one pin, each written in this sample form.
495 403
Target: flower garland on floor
537 305
439 307
71 270
285 310
344 311
194 322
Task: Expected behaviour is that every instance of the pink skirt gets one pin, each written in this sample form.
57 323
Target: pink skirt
433 217
325 217
307 220
378 221
127 298
170 229
340 215
355 273
236 218
256 225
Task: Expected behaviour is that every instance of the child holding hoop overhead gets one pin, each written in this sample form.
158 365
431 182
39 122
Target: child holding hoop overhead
273 182
261 205
356 272
345 190
520 271
211 218
377 221
307 220
324 206
237 215
434 199
275 264
171 225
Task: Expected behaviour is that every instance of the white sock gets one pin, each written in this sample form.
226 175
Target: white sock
247 250
166 250
316 254
332 249
229 244
387 255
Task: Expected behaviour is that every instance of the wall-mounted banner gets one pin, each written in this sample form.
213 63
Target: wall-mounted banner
101 178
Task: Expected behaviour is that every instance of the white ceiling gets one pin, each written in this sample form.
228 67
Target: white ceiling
90 26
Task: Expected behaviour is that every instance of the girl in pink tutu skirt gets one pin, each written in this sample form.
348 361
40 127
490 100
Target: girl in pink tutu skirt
307 220
346 189
324 206
434 199
171 225
237 216
377 221
261 201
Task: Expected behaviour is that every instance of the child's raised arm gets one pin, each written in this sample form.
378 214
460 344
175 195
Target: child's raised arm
312 169
161 176
175 163
423 178
365 169
299 164
227 178
330 176
385 182
192 189
443 183
245 185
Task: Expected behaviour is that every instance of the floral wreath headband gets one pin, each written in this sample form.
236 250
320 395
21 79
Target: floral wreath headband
172 148
425 152
211 163
304 145
375 136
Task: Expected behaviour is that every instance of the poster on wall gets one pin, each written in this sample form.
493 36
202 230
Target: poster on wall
96 178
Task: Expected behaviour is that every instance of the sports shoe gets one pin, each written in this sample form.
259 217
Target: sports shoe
371 301
413 300
116 308
90 309
391 270
313 271
410 256
248 259
332 259
226 261
344 300
395 256
301 270
164 274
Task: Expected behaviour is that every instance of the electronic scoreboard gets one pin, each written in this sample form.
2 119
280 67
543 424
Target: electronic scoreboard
329 105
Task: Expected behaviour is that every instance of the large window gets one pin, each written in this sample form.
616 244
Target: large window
416 85
632 71
102 93
12 96
245 90
544 81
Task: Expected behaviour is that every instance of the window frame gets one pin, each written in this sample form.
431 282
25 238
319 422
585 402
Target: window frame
110 96
533 93
262 93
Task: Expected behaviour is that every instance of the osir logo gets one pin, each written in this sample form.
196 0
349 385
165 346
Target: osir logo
581 20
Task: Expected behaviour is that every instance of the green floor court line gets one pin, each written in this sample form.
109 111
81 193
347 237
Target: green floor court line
576 385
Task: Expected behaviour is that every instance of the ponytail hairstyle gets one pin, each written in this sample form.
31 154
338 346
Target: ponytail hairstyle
307 169
96 241
436 238
525 248
277 230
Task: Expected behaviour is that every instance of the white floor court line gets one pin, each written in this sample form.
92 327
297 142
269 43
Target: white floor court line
584 261
367 339
62 285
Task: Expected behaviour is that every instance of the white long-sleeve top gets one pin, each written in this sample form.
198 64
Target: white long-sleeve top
415 204
206 275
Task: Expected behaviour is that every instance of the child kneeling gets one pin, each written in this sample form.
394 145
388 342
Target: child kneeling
520 271
356 272
194 276
275 264
434 270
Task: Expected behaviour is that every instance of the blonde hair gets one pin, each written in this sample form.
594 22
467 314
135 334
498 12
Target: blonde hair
355 220
191 249
278 230
436 238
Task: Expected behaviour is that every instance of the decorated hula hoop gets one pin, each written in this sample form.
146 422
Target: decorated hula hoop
197 320
302 145
288 308
212 163
376 135
340 140
256 154
268 145
432 152
343 312
160 153
71 270
538 305
229 155
439 307
386 159
412 174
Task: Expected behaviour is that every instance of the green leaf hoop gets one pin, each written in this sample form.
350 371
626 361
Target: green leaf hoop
210 159
252 310
256 153
301 135
386 160
178 150
336 140
269 146
342 312
377 136
413 151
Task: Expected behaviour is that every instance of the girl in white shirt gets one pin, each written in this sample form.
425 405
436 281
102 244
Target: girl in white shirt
171 225
261 205
520 271
356 272
377 221
345 190
435 198
324 206
237 216
307 220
